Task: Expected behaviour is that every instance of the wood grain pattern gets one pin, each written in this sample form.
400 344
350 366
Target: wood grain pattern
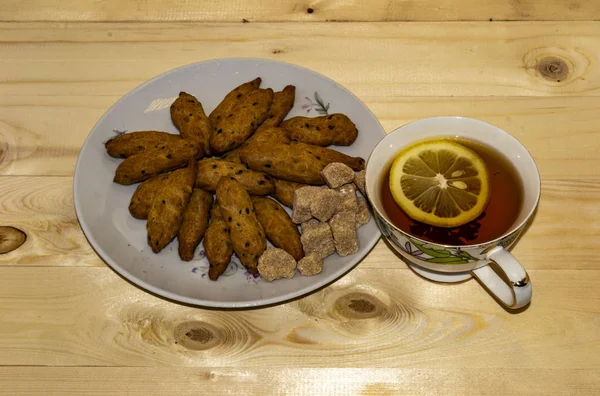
386 60
296 381
43 135
69 324
293 11
567 225
43 208
370 318
47 107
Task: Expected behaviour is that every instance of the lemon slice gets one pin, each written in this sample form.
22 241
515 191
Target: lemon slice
440 182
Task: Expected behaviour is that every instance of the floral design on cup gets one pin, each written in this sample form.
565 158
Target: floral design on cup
432 254
514 288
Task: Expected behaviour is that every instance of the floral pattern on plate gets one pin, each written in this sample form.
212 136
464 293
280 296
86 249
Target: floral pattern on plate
318 105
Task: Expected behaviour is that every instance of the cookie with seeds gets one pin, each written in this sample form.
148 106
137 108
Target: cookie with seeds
217 244
235 127
262 136
283 101
231 99
278 226
329 156
247 235
166 213
283 161
194 223
128 144
323 131
211 170
157 160
144 194
191 121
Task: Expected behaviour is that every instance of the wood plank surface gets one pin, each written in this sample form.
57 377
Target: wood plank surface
43 135
57 80
70 324
295 381
384 60
567 225
293 11
370 318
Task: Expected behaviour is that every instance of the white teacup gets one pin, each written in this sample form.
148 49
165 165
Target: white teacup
515 293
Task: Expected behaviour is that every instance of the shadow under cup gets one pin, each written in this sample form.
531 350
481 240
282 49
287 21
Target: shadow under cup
450 258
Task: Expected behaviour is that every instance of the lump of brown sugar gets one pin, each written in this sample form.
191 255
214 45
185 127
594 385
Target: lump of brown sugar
309 224
301 207
343 228
318 239
359 180
348 202
337 174
324 204
362 214
276 263
310 265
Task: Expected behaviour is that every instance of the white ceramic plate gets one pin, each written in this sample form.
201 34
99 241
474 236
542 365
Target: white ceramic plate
120 240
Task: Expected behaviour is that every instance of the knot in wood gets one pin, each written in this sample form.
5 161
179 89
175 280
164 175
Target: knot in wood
11 238
553 68
200 335
196 335
362 306
359 306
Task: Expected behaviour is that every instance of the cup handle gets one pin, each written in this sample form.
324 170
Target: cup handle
514 294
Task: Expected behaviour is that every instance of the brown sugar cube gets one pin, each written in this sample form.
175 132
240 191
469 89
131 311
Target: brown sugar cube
310 265
348 202
343 228
301 207
337 174
284 191
362 214
309 224
318 239
324 203
359 180
276 263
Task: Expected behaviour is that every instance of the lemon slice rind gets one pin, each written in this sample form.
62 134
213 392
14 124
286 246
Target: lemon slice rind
440 182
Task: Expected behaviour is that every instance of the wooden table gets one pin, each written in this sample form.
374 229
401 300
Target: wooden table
69 323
